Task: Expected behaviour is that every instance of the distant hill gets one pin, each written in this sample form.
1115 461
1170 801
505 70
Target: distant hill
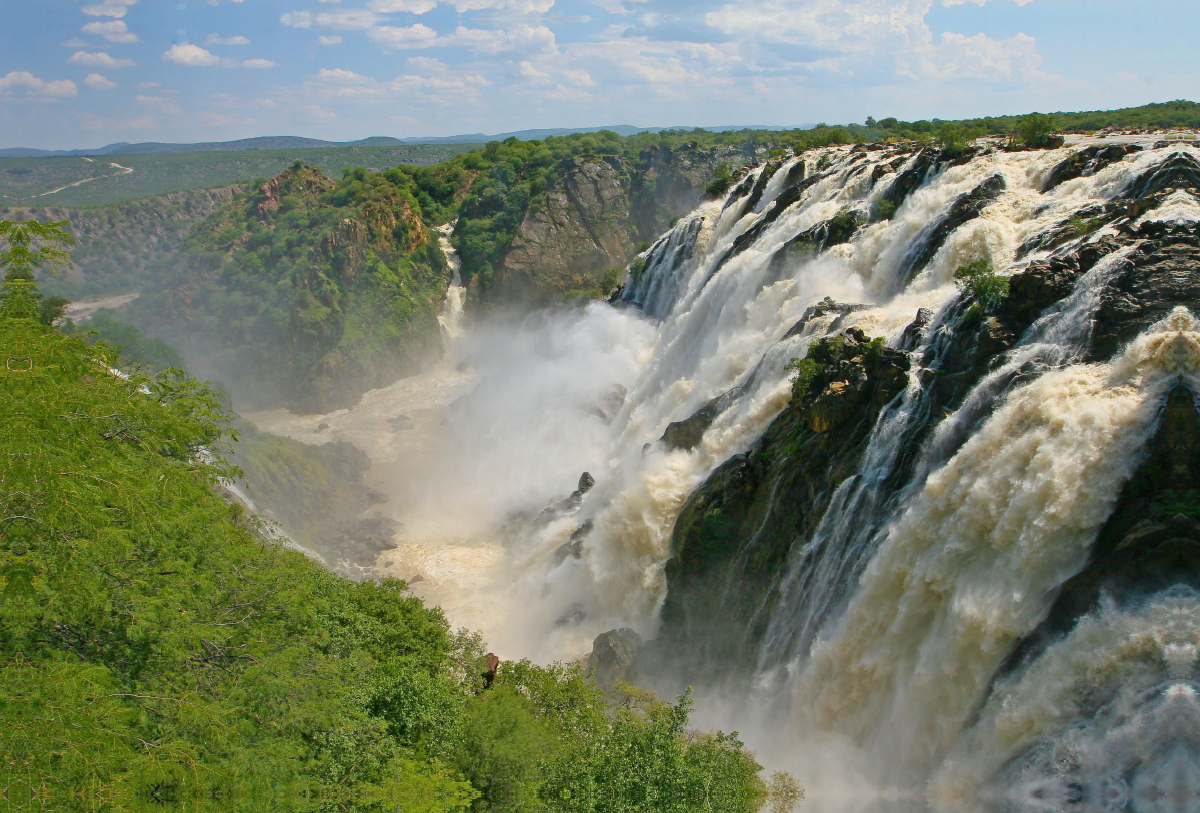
298 142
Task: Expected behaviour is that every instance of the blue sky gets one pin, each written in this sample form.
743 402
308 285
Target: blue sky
82 73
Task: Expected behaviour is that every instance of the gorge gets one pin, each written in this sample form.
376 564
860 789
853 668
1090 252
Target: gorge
887 449
965 555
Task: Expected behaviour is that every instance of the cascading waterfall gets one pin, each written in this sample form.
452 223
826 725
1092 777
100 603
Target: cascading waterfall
941 552
450 316
731 290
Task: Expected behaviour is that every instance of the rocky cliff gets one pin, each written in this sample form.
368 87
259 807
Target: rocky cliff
575 238
762 512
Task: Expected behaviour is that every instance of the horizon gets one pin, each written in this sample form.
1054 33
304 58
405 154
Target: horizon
78 71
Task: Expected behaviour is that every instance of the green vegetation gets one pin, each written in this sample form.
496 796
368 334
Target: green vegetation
981 281
26 181
136 348
305 289
156 650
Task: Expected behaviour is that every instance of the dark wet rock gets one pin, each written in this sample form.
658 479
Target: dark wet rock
1179 171
1086 162
574 547
1156 277
321 427
614 657
572 617
686 434
915 332
967 207
823 308
907 182
568 505
400 423
1151 541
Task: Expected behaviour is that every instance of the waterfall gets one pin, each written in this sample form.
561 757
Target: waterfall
950 539
450 316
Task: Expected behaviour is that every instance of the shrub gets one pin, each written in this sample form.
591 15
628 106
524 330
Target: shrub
985 286
1032 130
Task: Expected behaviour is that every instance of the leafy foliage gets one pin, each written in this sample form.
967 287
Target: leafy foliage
985 286
156 649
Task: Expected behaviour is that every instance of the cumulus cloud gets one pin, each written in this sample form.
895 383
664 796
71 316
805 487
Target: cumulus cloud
329 39
409 6
98 59
108 8
518 6
24 85
217 39
113 31
348 20
97 82
523 39
340 76
392 37
258 64
192 56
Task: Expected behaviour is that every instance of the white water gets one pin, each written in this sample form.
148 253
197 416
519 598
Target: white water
1007 511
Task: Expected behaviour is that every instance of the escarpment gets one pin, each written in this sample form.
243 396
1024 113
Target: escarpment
767 552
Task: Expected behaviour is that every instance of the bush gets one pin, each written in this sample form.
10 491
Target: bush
985 286
1033 130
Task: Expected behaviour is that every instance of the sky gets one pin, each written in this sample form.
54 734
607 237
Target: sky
84 73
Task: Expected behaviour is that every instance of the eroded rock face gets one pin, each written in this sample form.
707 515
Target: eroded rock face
569 242
1151 542
614 657
736 532
592 221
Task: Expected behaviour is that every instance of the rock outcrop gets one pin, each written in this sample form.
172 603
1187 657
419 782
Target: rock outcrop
735 534
591 222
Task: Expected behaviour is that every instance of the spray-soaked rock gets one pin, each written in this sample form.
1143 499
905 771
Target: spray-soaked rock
614 657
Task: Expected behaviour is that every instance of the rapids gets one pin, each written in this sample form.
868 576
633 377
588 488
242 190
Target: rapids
887 649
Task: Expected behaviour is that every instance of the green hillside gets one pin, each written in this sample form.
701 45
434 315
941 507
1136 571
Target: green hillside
158 652
31 181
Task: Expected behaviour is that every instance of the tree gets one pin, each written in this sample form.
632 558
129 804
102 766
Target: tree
21 263
1033 130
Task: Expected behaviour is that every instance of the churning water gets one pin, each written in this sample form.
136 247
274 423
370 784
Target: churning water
896 616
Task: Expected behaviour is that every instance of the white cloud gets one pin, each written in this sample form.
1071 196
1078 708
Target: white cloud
192 56
259 63
217 39
329 39
525 39
108 8
350 20
949 3
392 37
113 31
518 6
98 59
97 82
32 88
409 6
147 85
340 76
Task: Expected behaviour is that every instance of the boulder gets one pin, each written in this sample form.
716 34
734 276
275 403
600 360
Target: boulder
614 657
